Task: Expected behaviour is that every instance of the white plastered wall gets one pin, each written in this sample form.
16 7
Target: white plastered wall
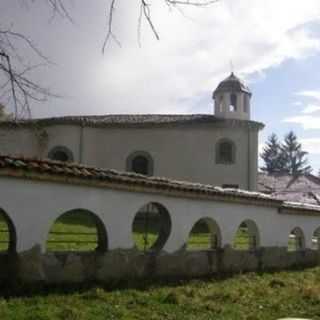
179 152
34 206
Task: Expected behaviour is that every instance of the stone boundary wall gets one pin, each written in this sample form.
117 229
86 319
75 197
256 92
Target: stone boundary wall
32 266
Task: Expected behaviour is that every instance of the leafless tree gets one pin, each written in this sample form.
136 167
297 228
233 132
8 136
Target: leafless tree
145 13
17 87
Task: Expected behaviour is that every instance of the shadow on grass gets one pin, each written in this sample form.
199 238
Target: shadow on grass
14 289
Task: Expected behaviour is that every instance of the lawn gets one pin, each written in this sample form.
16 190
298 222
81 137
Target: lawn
4 234
248 296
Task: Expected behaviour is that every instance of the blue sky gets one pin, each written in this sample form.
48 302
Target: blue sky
279 98
274 45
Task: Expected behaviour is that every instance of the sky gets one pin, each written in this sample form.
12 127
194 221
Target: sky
273 45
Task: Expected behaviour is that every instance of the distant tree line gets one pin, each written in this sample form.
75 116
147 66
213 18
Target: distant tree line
285 157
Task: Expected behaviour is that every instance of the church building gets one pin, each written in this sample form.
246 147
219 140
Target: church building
219 149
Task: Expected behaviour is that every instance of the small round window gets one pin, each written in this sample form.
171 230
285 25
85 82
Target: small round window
140 165
140 162
60 154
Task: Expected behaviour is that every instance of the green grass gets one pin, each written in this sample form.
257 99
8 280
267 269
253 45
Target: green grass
4 234
248 296
242 239
199 241
75 231
144 241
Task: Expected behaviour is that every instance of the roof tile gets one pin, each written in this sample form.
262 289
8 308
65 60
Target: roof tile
130 180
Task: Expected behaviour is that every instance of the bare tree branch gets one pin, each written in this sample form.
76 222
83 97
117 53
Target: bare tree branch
110 34
16 84
145 12
16 87
59 8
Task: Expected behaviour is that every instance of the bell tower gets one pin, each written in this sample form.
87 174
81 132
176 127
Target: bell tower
232 99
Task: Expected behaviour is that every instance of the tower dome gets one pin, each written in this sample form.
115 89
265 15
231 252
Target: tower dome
232 99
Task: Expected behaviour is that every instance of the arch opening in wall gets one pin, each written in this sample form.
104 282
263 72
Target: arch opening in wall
296 240
316 239
61 153
151 227
204 235
220 104
233 102
246 103
140 162
8 237
247 236
225 152
77 230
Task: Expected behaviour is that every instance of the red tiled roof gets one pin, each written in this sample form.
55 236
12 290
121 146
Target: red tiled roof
57 171
134 120
303 188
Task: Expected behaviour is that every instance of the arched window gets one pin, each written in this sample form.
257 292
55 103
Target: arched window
78 230
247 236
233 102
221 103
225 152
296 240
60 153
140 162
8 238
246 102
151 227
316 239
205 235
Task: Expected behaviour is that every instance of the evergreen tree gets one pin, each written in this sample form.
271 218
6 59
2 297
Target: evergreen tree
272 156
293 155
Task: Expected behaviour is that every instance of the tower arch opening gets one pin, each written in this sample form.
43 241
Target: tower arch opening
233 102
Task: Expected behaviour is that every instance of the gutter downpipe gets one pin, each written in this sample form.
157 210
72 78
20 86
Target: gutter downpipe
81 142
249 160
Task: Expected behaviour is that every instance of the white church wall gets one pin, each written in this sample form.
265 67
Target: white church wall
64 135
18 141
184 153
181 152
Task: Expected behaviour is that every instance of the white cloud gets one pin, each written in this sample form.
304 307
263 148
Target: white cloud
311 145
311 108
308 122
304 119
314 94
192 56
